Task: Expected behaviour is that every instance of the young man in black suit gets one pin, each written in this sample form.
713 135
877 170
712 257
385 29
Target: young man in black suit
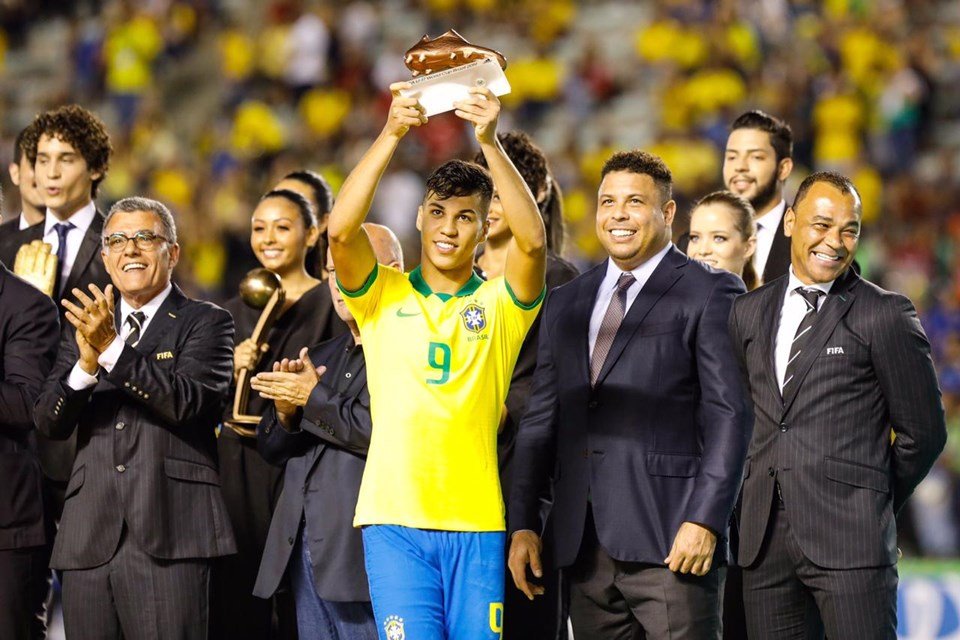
757 161
834 365
28 345
142 382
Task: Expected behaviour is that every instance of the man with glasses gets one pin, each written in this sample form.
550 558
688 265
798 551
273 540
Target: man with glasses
143 384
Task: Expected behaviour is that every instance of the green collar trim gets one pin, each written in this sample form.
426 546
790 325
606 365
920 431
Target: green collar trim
421 286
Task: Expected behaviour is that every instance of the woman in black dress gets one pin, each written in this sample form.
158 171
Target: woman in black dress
283 237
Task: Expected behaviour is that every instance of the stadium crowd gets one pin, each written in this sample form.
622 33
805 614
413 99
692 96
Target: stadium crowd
209 103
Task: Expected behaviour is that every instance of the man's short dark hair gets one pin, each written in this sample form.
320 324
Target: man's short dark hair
80 129
26 139
456 178
526 157
842 183
646 164
781 135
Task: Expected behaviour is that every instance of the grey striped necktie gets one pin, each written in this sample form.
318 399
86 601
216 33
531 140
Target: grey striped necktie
609 326
135 321
812 299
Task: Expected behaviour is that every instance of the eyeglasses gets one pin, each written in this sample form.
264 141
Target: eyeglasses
143 240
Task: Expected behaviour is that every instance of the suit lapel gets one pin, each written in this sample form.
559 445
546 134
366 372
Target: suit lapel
836 306
580 317
769 329
163 323
89 248
778 260
661 280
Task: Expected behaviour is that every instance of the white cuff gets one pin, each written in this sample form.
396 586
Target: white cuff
80 379
108 359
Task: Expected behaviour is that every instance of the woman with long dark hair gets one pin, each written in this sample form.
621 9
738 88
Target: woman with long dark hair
284 233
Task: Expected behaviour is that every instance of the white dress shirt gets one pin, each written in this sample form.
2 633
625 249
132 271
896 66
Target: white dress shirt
81 220
609 286
22 222
768 226
80 379
791 315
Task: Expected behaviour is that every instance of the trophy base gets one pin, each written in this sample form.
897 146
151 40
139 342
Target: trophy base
438 91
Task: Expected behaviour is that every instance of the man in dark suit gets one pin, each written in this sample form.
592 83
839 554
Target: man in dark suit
143 384
638 412
28 345
757 161
32 209
834 363
68 152
319 427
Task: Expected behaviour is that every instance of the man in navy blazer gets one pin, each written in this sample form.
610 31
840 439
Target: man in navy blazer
639 413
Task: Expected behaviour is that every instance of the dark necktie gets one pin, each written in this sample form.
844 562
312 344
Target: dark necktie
62 229
812 299
609 326
135 320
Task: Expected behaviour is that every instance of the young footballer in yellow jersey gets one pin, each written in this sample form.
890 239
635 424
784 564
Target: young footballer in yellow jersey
440 345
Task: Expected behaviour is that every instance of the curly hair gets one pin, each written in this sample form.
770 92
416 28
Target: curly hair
82 130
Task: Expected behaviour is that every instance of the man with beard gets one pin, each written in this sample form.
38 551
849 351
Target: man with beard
756 164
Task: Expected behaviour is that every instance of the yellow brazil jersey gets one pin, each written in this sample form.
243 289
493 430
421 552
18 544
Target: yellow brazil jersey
438 370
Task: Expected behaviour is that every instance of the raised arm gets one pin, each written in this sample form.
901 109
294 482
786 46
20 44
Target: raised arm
351 249
526 255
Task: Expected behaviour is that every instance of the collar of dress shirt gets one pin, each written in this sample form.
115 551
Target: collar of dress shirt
22 222
795 282
642 273
81 219
149 309
772 218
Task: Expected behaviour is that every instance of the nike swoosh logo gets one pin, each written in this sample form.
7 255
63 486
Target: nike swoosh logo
402 314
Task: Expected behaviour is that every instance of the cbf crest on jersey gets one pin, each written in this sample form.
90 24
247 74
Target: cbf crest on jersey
474 318
394 628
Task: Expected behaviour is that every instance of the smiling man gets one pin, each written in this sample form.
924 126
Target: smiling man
440 347
143 384
833 363
757 161
638 416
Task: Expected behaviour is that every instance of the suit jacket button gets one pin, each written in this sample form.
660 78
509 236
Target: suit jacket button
120 426
771 472
592 404
289 540
121 468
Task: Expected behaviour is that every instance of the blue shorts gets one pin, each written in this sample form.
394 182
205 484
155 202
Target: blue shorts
435 585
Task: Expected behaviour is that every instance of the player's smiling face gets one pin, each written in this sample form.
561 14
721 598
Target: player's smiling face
451 229
824 231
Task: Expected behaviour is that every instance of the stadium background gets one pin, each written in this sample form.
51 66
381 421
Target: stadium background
210 101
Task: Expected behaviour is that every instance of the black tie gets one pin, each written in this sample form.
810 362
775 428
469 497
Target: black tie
62 229
610 325
812 299
135 320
